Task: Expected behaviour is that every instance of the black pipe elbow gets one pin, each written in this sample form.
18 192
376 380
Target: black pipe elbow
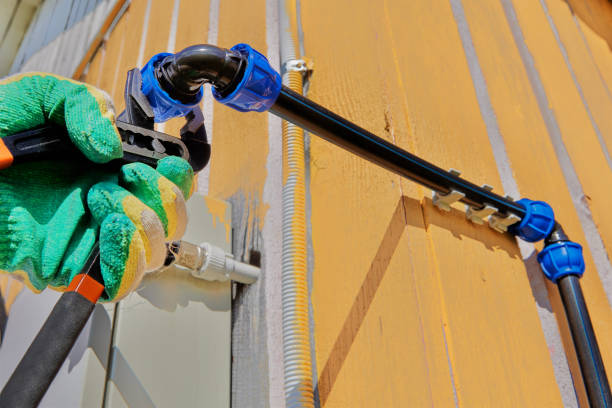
182 74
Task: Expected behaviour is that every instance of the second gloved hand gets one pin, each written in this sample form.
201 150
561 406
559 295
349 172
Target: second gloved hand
137 216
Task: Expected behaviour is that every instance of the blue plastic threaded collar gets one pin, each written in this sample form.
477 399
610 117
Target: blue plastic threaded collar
259 87
561 259
538 222
164 106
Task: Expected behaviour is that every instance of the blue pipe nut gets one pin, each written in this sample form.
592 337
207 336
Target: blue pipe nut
259 87
164 106
561 259
537 223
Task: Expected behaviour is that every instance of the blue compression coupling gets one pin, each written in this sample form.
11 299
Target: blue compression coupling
259 87
538 222
164 106
561 259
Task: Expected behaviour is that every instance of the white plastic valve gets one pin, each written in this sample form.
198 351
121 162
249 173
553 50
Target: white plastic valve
206 261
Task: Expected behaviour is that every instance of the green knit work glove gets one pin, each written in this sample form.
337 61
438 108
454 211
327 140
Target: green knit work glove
52 211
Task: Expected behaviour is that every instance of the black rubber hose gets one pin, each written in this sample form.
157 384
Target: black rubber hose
47 353
183 74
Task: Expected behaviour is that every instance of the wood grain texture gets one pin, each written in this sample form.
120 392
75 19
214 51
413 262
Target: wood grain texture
600 52
585 152
593 90
238 174
412 85
130 45
525 135
192 29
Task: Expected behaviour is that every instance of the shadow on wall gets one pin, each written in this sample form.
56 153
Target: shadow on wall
421 215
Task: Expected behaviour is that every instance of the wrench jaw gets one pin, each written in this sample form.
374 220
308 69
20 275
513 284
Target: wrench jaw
138 120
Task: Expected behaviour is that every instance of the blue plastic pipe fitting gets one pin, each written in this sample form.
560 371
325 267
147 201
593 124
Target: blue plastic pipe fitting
259 87
537 223
164 106
561 259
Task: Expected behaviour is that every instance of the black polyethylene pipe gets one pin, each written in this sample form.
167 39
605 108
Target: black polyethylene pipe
308 115
585 343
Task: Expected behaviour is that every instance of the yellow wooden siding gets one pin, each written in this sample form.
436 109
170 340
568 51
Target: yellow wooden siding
413 307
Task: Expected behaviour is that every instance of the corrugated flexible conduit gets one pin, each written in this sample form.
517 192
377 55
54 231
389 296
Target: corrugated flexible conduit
296 336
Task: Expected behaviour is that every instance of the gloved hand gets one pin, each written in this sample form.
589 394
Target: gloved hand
52 211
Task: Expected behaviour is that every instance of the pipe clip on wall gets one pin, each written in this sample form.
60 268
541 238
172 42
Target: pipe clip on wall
251 84
304 66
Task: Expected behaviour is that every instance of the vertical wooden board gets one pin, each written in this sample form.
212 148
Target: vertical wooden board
192 23
94 70
576 129
527 143
590 82
482 286
158 28
353 201
240 147
580 141
132 34
499 352
393 340
358 217
600 50
114 50
192 29
597 14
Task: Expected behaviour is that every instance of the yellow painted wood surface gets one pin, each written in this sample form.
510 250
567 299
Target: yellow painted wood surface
413 307
581 142
240 148
417 79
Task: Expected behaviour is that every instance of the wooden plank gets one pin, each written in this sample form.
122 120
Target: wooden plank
192 29
584 151
134 17
481 290
358 254
597 14
240 150
237 174
94 69
481 277
521 124
113 49
597 98
159 28
97 40
600 52
427 108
